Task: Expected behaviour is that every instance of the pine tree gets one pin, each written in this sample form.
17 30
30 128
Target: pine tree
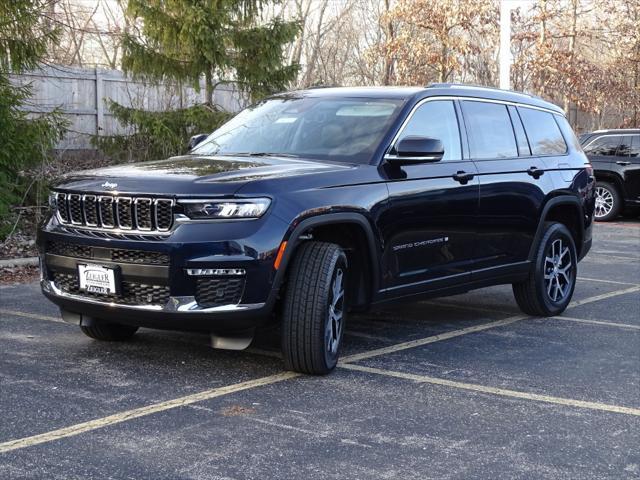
223 41
25 141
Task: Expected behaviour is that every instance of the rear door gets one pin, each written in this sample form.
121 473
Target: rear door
602 150
513 185
627 161
429 227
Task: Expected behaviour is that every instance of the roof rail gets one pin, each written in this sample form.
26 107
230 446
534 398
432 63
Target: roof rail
481 87
615 130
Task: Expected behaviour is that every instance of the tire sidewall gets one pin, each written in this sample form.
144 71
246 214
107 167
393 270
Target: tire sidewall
615 209
338 262
554 232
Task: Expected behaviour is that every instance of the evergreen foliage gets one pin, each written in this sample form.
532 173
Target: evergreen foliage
186 41
223 41
157 134
25 141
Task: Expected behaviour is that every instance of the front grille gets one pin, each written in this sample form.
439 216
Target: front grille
110 212
115 255
214 292
139 256
132 293
69 249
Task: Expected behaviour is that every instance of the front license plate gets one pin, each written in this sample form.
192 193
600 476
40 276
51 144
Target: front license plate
97 279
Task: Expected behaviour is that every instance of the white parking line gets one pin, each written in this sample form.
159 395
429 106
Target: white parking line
221 391
434 338
35 316
601 280
596 322
596 298
619 257
142 411
497 391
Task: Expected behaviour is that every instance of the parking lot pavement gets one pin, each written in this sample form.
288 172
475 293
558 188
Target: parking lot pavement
459 387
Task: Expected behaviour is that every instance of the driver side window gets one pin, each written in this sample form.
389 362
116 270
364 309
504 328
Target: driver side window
437 119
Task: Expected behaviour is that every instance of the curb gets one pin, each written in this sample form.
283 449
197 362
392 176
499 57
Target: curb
19 262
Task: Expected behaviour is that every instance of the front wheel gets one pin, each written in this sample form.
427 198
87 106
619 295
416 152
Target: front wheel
608 202
552 280
314 310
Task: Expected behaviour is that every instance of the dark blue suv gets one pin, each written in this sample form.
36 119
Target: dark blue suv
312 204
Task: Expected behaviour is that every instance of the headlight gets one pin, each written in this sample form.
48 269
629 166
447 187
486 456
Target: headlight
212 209
53 201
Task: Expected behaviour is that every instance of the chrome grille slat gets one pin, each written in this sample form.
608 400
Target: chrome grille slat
115 213
90 210
62 207
107 218
75 209
143 213
164 216
123 213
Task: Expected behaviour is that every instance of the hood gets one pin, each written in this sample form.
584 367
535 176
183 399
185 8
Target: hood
191 175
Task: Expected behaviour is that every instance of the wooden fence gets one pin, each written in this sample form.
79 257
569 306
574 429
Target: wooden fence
81 95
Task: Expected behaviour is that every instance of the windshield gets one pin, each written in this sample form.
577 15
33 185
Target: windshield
338 129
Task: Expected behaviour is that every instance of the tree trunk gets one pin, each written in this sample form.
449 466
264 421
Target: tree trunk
208 85
387 73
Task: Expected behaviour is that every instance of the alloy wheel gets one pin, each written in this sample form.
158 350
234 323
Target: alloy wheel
335 322
604 202
558 271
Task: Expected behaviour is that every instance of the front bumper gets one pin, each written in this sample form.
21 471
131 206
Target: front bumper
157 290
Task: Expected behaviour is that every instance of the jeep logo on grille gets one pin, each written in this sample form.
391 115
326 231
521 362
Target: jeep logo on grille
109 185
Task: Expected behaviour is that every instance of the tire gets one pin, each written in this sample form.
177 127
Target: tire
314 310
109 332
548 291
608 202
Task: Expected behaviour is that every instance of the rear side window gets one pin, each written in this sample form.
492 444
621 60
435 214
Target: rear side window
635 147
544 134
489 129
603 146
629 146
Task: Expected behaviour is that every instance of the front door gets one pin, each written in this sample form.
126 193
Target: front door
428 228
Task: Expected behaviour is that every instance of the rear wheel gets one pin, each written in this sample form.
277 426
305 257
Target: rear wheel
552 279
314 309
608 202
110 332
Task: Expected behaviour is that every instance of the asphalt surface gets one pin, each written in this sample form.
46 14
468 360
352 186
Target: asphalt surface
455 388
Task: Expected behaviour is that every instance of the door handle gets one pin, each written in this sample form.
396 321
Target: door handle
463 177
623 163
535 172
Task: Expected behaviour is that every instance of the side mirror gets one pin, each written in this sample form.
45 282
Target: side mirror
195 140
414 149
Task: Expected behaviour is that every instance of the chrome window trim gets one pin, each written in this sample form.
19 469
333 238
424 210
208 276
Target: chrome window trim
598 137
388 156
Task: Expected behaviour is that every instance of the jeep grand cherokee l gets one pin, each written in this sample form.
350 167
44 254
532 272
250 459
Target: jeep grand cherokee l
615 156
311 204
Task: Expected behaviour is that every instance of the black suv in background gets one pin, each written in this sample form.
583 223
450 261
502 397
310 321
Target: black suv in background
312 204
615 156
